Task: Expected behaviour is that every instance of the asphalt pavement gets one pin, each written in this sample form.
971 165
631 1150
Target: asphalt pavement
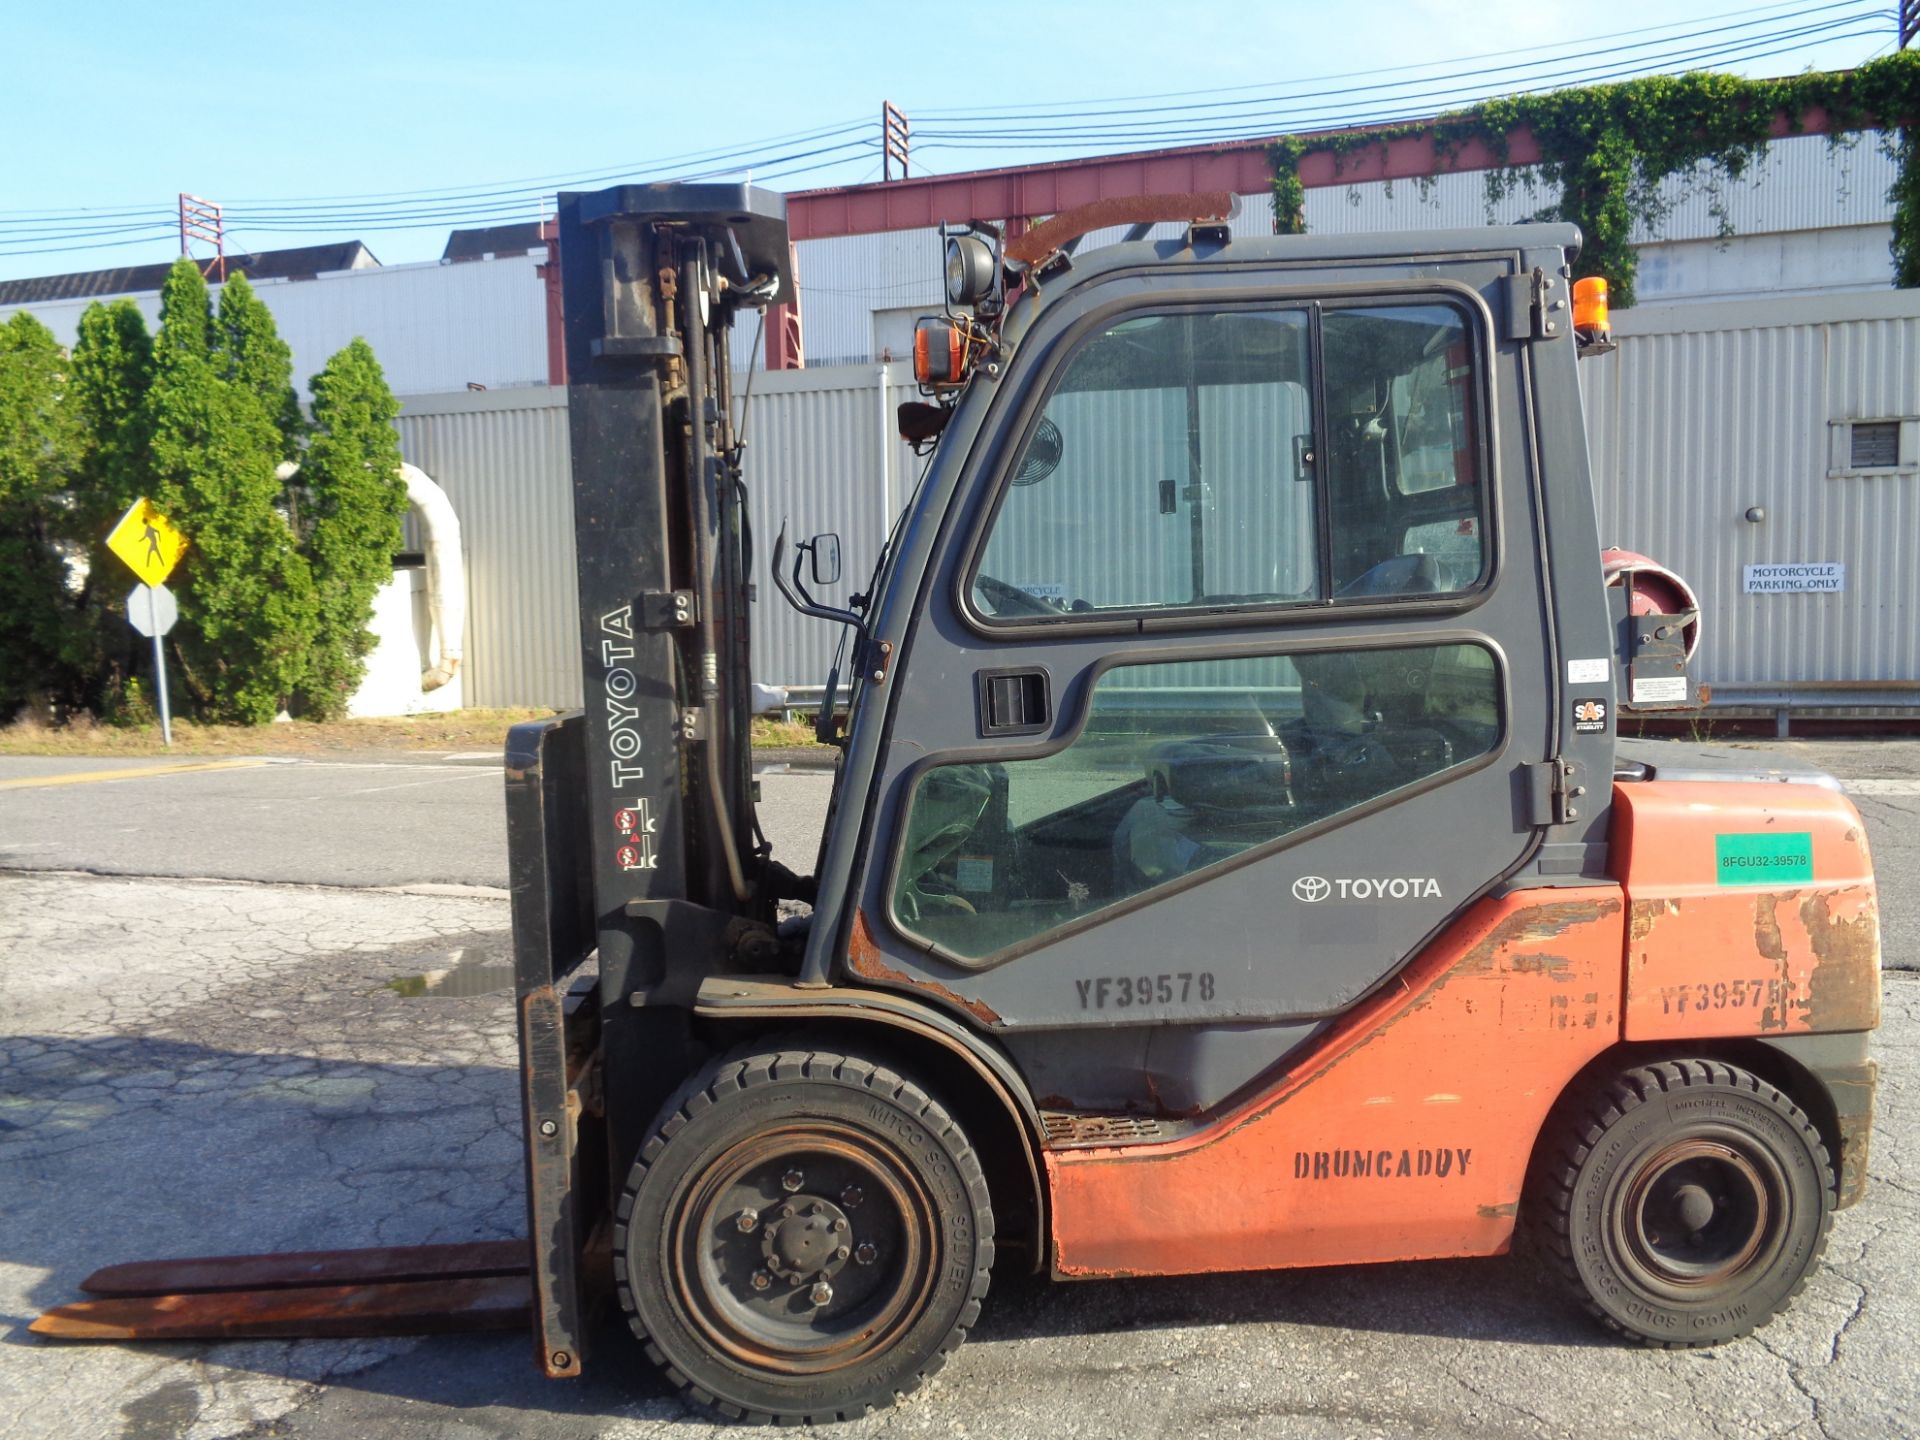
351 822
230 1021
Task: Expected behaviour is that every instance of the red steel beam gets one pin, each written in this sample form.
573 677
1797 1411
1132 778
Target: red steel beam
1060 185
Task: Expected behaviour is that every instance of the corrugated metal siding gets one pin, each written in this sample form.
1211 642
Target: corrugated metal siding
502 458
1705 411
435 328
823 453
845 279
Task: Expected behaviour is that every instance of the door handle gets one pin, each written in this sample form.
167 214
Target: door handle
1014 702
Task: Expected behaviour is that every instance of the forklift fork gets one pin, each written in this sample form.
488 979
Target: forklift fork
479 1285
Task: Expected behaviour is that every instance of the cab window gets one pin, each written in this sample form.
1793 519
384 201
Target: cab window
1176 465
1181 768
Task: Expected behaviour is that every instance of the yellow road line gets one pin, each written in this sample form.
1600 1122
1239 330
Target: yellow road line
87 777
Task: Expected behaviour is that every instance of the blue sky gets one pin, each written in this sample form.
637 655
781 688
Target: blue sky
115 107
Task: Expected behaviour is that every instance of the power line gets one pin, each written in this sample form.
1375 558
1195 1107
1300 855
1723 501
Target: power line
1448 96
1796 6
1328 121
1042 126
1271 93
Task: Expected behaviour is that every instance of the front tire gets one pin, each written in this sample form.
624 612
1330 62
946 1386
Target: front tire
1686 1202
803 1238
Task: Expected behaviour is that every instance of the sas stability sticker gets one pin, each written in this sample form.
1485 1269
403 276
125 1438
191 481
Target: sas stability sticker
1763 859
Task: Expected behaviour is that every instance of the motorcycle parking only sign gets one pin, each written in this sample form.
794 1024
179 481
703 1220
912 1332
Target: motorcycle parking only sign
1815 577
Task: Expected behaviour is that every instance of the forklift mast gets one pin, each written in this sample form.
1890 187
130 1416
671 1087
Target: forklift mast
631 824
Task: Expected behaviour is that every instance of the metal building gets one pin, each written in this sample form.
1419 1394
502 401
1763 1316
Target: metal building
1803 413
435 327
1769 451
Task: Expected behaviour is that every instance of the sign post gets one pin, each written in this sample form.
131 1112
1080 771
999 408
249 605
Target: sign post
151 609
151 546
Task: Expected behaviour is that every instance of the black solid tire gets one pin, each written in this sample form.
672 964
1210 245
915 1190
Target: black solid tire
1594 1216
739 1105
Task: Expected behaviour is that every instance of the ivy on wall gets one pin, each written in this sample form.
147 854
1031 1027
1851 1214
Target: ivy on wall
1608 148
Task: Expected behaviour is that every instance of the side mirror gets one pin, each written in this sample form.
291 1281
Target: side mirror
824 552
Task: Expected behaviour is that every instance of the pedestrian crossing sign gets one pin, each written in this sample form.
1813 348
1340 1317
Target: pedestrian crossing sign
148 542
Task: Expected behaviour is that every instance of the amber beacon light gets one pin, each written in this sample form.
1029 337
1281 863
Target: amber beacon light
1590 307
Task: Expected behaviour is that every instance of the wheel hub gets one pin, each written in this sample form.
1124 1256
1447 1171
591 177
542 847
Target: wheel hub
1698 1213
807 1237
804 1247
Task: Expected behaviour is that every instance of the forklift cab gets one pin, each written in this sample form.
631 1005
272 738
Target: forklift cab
1221 615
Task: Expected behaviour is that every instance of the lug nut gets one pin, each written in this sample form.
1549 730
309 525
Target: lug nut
839 1225
761 1279
748 1221
852 1196
821 1294
866 1254
792 1181
842 1252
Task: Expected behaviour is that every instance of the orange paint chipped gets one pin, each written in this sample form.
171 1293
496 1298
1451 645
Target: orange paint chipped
1343 1160
1708 960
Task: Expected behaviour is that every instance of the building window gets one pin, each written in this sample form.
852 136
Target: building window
1875 445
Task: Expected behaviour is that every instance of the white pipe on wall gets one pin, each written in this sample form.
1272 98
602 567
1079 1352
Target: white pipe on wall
446 574
446 571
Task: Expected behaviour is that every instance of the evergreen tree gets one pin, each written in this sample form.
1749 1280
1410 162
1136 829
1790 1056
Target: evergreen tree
112 369
356 503
247 600
256 358
38 436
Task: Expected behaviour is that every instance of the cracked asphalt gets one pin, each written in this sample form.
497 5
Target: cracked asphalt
196 1065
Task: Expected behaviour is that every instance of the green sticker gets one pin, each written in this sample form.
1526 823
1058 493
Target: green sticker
1763 859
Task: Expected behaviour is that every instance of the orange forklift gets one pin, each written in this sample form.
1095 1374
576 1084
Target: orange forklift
1232 863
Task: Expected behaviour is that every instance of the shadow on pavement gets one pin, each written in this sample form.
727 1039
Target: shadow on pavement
126 1148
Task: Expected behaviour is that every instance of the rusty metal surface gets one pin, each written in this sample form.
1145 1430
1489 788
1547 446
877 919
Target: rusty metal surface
1711 960
1404 1134
1853 1094
414 1307
863 958
1049 235
472 1260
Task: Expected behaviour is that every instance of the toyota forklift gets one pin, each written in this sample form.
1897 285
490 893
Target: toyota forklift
1232 862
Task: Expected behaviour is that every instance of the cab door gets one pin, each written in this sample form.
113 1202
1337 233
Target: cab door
1233 660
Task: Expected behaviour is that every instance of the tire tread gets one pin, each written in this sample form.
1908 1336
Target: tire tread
738 1072
1583 1120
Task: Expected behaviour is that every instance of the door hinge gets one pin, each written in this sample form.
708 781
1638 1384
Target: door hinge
1536 305
1553 795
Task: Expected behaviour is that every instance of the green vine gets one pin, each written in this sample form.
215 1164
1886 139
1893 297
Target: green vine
1606 149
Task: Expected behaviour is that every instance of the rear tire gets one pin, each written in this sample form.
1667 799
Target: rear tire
804 1237
1685 1202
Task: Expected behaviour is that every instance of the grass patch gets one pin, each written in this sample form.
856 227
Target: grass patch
448 730
773 734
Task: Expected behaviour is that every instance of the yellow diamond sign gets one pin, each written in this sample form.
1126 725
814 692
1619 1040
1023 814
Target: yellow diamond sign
148 542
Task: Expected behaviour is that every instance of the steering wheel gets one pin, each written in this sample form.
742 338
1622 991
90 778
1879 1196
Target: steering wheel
1011 599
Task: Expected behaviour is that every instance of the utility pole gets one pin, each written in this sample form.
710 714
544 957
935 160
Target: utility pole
1909 21
893 136
200 220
